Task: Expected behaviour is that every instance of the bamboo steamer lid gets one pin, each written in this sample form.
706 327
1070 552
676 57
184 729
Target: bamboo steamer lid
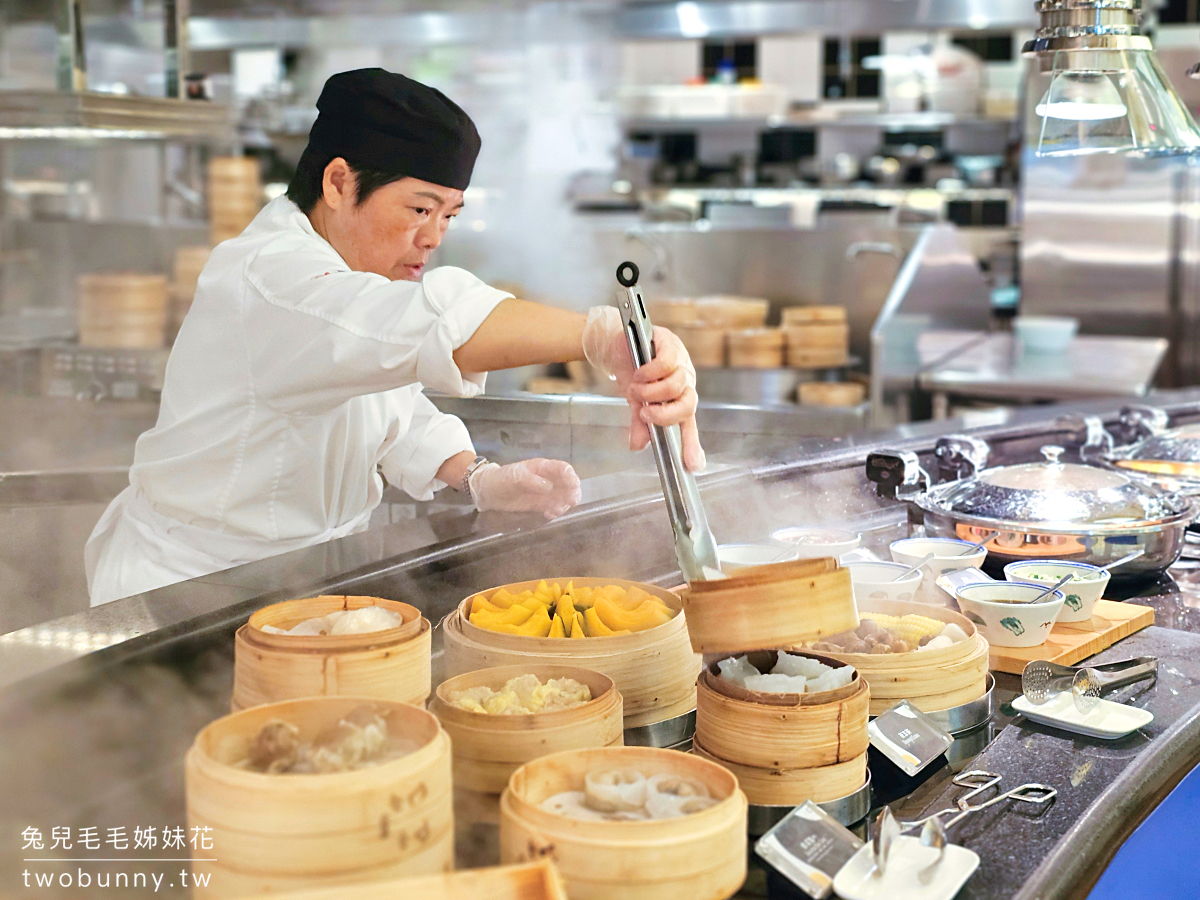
122 291
706 346
674 312
725 311
781 731
233 168
529 881
758 348
285 832
818 336
803 315
489 748
189 263
122 339
793 787
932 680
389 665
832 393
779 605
654 670
701 856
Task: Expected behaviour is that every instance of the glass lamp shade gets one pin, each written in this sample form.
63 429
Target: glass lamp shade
1112 101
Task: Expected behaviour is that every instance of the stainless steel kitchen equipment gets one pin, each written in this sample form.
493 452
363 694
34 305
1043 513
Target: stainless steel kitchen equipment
695 546
1042 679
1164 456
1044 510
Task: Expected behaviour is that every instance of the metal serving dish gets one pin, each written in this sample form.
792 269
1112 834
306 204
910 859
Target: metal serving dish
1168 458
1043 510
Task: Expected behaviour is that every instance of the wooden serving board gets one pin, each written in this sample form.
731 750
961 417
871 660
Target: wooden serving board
1072 642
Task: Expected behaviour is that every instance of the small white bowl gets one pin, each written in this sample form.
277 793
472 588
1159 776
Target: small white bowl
811 543
1010 624
1081 592
1045 334
877 581
910 551
743 556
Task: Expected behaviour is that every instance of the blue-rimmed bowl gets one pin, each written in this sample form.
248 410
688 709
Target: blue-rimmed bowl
1081 592
998 612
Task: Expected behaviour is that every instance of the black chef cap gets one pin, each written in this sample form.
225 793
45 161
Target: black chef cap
385 122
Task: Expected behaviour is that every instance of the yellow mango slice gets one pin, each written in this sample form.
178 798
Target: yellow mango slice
596 627
502 599
556 628
582 597
481 604
566 608
577 627
516 615
537 625
618 618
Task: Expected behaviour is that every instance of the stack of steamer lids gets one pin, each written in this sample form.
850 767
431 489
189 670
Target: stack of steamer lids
235 195
770 607
756 348
704 325
189 262
817 336
126 310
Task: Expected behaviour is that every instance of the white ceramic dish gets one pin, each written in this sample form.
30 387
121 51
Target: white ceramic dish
877 581
1045 334
1010 624
1081 592
1107 720
901 880
946 558
743 556
811 543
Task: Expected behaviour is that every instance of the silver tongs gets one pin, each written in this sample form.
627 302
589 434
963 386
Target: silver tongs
695 546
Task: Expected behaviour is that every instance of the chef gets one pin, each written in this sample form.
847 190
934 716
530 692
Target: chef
295 385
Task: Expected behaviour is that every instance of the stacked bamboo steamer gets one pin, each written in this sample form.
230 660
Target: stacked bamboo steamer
234 195
817 336
189 263
654 670
756 348
785 749
127 310
390 665
932 680
489 748
272 833
706 325
831 393
701 856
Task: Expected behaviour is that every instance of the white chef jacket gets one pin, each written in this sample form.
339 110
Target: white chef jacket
291 380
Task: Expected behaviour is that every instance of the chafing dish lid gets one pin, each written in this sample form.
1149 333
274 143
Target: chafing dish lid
1177 445
1058 494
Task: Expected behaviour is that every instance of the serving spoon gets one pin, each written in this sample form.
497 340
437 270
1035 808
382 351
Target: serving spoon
974 548
1048 591
1124 559
924 559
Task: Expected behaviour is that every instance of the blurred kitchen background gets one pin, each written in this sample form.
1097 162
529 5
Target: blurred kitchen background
838 204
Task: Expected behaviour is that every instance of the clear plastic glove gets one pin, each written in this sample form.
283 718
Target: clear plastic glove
548 486
662 392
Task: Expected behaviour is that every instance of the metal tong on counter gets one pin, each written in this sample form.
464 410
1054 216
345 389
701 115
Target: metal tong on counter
1041 679
933 827
695 546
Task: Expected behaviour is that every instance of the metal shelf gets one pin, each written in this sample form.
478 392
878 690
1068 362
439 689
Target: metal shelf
916 121
89 116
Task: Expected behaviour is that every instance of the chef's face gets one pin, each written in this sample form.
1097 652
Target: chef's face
393 231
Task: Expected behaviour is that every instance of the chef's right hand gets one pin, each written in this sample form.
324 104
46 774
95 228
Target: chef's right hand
548 486
662 392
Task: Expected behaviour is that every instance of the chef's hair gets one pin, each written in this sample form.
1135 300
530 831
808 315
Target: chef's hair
306 186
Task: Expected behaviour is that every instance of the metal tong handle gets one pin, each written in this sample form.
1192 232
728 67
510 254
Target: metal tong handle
1114 675
981 781
695 546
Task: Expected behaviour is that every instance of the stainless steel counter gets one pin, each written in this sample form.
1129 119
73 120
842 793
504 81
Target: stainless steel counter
98 708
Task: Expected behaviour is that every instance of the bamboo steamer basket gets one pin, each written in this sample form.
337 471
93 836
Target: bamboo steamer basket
804 358
817 336
126 310
778 605
530 881
804 315
725 311
831 393
233 168
654 670
674 312
387 665
781 731
756 348
489 748
272 833
701 856
931 680
792 787
705 345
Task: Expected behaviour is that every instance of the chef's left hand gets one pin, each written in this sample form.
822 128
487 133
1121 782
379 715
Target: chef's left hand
548 486
662 392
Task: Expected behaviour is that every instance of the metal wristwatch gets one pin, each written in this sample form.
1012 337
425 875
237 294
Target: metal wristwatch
476 463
